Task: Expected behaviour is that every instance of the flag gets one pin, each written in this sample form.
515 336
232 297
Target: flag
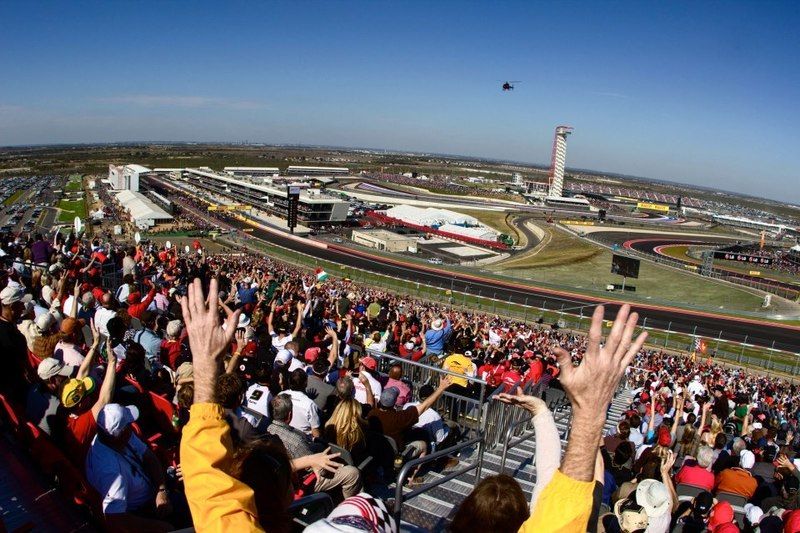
321 274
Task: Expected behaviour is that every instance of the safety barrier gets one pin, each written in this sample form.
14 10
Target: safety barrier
400 498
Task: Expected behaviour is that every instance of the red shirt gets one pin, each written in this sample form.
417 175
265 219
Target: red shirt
78 436
696 476
536 371
510 378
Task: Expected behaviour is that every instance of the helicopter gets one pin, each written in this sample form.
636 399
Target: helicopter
509 85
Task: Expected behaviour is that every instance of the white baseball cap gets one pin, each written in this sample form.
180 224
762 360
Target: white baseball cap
283 357
114 418
50 367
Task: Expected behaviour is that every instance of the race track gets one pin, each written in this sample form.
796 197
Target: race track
702 323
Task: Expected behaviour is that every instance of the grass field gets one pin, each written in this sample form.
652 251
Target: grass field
71 209
570 261
557 248
74 184
13 198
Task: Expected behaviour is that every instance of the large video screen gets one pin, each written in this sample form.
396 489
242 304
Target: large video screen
627 267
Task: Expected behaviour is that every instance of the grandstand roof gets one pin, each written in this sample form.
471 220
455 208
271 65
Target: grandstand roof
140 207
138 168
430 216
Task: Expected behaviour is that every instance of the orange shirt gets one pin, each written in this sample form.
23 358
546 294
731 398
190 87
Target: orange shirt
736 481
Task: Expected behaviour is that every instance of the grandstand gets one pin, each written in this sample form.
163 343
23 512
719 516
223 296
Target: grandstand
296 170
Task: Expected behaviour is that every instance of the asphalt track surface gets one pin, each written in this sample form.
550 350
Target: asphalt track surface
752 331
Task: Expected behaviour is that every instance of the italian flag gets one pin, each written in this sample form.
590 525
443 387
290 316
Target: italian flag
321 274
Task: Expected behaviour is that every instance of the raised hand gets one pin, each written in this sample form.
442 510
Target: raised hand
207 338
530 403
591 385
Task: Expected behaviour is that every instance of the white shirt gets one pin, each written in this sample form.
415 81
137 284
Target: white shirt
431 422
101 318
280 343
257 399
119 477
305 414
361 390
123 292
68 354
296 363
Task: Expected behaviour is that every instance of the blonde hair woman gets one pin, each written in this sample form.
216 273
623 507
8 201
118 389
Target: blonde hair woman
346 427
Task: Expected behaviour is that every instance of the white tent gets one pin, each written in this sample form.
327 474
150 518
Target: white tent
143 212
474 232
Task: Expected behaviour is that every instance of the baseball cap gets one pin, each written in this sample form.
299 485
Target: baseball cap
664 437
361 512
70 325
747 459
409 345
45 321
721 513
114 418
76 390
753 513
703 502
369 363
283 357
51 367
389 396
11 294
312 354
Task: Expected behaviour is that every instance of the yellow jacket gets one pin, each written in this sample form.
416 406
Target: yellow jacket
563 506
218 501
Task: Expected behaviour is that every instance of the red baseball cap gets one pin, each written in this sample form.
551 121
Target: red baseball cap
369 363
312 354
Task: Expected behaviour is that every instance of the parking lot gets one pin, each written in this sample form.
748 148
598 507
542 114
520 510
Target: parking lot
27 204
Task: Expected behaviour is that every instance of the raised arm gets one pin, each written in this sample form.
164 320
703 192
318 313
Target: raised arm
107 388
590 387
299 321
217 500
548 441
83 370
431 400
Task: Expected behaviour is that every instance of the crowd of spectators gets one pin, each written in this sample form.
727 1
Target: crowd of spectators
272 388
445 184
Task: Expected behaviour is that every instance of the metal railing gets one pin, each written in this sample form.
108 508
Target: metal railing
528 432
465 411
400 498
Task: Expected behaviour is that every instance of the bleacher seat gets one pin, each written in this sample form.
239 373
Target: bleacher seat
67 476
309 509
348 458
737 501
687 492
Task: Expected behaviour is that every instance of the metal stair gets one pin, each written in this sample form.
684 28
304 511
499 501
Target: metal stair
433 510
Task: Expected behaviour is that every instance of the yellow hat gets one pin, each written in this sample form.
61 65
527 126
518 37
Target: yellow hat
76 390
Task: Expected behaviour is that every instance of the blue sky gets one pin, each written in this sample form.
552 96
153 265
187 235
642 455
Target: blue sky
703 93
